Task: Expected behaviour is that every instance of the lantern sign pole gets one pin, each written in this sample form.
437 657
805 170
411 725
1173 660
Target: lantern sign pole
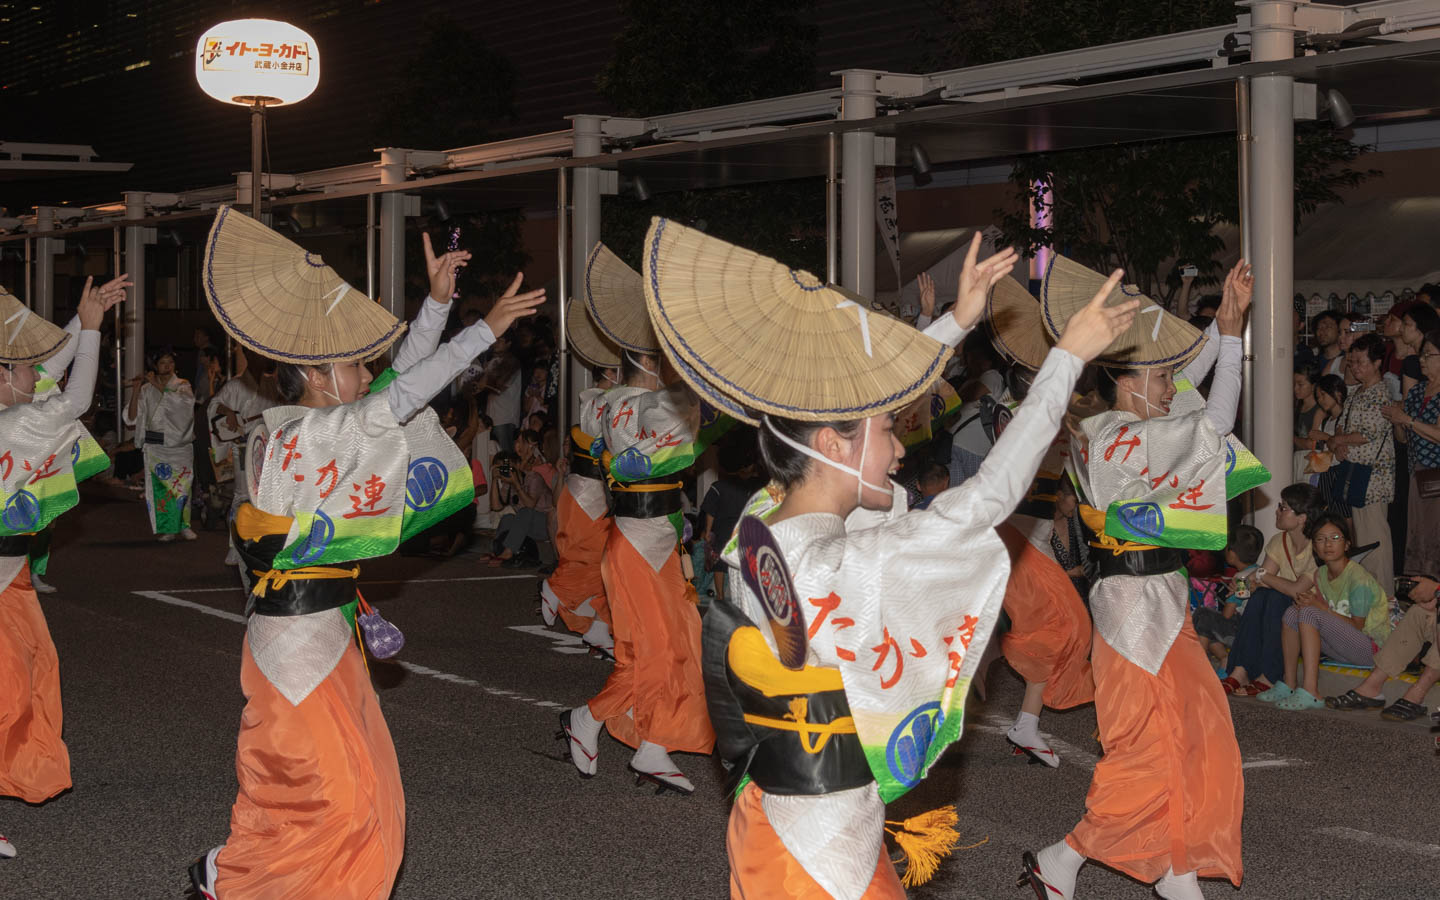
257 63
257 143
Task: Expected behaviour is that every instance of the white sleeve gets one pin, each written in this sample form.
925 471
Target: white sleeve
56 365
1224 397
1204 360
414 387
423 335
946 330
923 321
80 389
993 493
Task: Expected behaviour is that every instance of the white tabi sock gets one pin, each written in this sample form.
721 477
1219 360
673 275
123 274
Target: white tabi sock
584 739
1026 733
1058 865
654 760
1179 887
598 635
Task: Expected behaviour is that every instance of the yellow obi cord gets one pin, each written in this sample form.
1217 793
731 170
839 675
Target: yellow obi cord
753 663
276 578
813 735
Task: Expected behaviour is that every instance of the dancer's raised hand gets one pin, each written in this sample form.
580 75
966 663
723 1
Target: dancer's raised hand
976 279
96 302
926 284
442 269
512 306
1235 301
1096 325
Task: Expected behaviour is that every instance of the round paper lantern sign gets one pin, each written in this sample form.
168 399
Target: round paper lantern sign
250 60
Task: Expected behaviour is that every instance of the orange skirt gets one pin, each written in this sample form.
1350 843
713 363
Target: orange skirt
1169 792
761 867
579 544
34 762
656 627
320 812
1049 636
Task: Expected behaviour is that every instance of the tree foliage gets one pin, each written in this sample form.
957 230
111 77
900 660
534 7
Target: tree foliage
1140 206
676 55
450 93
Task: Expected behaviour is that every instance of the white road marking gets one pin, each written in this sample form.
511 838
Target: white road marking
1365 837
191 604
564 643
416 668
1272 763
237 590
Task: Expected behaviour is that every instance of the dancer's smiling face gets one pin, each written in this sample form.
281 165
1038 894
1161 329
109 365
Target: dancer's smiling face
1146 393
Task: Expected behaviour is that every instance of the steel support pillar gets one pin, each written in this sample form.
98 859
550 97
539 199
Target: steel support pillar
391 287
857 188
585 201
136 237
45 251
1271 233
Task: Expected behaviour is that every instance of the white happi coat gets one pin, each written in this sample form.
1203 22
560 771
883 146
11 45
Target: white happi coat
36 430
589 492
296 653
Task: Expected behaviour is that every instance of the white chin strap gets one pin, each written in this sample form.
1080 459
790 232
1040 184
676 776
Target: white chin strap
15 392
1155 411
639 365
334 384
860 482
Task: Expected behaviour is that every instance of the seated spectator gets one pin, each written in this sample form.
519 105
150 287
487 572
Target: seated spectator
530 497
1415 630
1346 616
1217 627
934 478
1288 569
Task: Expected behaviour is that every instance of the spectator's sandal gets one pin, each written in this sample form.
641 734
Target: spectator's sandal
1276 692
1253 689
1300 699
1403 710
1353 700
1229 684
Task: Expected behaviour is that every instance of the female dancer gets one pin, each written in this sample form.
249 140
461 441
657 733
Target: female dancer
654 699
320 810
1166 799
39 446
575 591
858 683
162 410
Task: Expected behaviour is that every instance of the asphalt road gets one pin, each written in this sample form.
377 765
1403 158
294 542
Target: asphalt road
1337 805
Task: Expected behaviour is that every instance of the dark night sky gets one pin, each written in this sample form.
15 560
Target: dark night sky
63 68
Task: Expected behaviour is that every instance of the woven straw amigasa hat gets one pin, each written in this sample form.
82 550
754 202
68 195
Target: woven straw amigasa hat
1013 317
1155 339
283 302
25 338
586 341
775 340
617 302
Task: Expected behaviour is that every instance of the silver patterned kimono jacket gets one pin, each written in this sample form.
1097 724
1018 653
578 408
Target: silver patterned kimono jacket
911 576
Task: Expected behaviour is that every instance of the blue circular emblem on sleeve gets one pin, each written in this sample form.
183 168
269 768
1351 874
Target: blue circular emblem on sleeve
75 453
1142 518
163 471
631 463
910 742
937 406
425 483
21 512
1229 457
322 532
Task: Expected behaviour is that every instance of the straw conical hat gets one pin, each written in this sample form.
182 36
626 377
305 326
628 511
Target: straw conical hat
25 338
585 340
1155 339
778 340
1013 316
707 391
617 302
286 304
